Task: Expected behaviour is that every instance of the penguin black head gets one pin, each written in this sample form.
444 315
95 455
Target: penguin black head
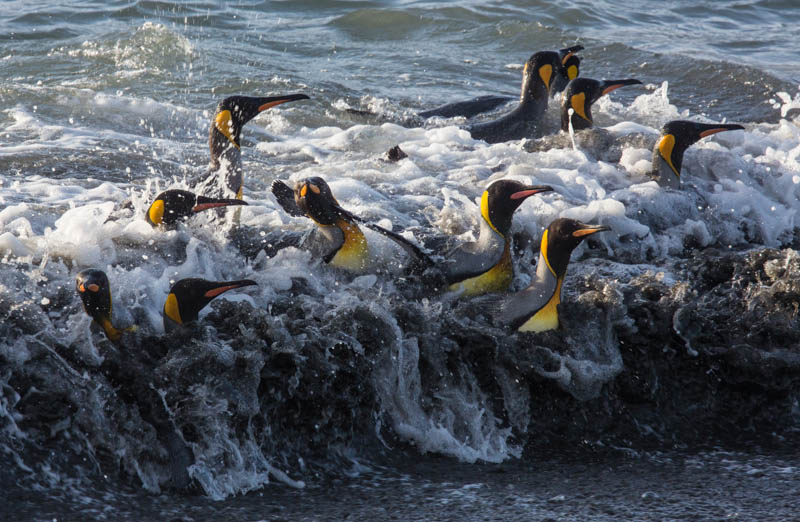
171 206
188 296
235 111
561 238
679 135
570 68
315 199
95 291
579 96
502 198
538 75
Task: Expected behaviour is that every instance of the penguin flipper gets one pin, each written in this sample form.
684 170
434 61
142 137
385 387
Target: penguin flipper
465 262
467 108
285 197
420 261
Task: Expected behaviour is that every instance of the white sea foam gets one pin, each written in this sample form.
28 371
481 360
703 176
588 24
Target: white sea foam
740 188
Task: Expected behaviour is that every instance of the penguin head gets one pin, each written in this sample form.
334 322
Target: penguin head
561 238
95 291
569 70
235 111
315 199
580 95
171 206
188 296
502 198
679 135
539 73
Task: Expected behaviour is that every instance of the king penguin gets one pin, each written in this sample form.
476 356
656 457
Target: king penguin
535 309
337 238
579 96
95 291
676 137
188 296
225 176
172 206
485 265
525 121
469 108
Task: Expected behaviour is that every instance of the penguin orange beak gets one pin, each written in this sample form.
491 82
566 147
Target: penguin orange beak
588 230
611 85
214 292
272 102
715 130
203 203
522 194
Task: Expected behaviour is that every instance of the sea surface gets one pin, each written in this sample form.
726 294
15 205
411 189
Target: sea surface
670 392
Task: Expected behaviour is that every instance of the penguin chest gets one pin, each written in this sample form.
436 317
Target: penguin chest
353 253
546 318
496 279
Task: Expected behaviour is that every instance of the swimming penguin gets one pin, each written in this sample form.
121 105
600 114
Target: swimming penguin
188 296
337 238
95 291
131 373
174 205
525 121
535 309
571 68
579 96
469 108
226 178
485 265
676 137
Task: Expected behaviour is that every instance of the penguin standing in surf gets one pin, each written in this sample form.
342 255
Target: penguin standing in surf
676 137
579 96
225 176
485 265
535 309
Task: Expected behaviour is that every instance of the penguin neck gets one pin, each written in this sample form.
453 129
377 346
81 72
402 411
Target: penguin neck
534 97
544 272
490 238
227 161
663 172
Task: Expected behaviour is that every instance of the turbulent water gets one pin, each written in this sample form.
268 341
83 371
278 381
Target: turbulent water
671 389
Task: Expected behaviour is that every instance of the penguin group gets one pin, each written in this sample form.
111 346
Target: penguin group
337 237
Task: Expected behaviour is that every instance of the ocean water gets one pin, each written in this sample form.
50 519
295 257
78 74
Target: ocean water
670 392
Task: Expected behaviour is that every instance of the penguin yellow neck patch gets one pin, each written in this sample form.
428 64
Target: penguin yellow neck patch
171 309
224 123
485 211
496 279
572 72
353 253
547 316
156 212
543 251
665 147
545 73
578 102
